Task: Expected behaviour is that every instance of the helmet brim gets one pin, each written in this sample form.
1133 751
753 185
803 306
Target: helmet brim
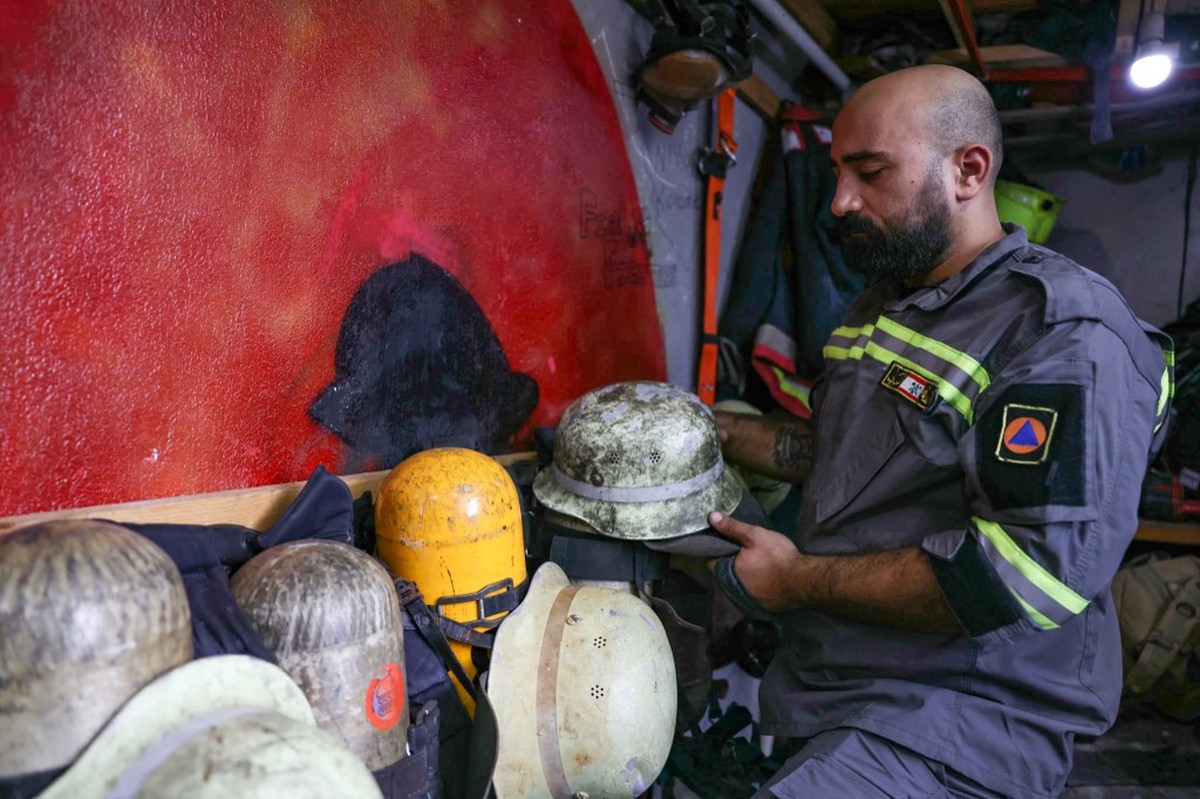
183 694
643 521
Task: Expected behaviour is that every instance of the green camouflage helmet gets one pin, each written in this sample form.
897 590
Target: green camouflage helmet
639 461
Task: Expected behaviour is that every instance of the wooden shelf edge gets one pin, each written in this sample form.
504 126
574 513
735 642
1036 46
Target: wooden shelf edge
256 508
1168 532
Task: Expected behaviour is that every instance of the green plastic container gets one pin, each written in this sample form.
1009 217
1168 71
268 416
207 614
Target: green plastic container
1033 209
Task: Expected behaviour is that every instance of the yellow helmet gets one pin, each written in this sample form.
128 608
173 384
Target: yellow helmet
449 520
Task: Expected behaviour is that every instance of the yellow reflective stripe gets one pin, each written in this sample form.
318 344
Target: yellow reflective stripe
852 332
1164 396
833 353
965 363
1038 618
793 389
1031 569
947 390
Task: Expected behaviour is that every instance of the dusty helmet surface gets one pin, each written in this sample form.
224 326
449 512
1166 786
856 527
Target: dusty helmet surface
170 711
449 520
582 682
330 615
638 460
90 612
260 755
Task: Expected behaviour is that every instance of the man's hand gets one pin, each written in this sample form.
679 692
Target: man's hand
896 588
767 564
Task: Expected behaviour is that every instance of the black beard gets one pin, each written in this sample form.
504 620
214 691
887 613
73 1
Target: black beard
899 253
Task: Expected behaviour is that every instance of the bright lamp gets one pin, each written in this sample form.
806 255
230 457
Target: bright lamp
1154 60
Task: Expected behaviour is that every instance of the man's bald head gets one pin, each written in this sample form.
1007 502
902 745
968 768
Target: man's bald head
951 105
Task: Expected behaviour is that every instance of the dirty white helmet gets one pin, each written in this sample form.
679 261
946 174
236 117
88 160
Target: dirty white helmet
215 728
329 614
638 460
261 756
582 683
89 613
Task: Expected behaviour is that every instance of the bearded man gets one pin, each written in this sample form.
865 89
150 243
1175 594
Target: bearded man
970 477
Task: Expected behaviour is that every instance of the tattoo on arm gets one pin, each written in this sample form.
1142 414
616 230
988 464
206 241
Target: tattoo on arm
793 448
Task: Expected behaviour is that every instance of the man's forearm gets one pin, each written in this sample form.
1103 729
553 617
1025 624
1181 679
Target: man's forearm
779 448
892 589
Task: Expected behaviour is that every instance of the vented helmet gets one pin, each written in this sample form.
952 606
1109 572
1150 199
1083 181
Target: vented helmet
638 460
449 520
90 613
330 615
582 683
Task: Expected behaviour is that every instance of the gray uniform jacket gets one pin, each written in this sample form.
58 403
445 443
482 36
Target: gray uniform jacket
1001 420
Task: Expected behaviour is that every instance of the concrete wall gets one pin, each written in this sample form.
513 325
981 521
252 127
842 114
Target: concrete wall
1132 233
671 190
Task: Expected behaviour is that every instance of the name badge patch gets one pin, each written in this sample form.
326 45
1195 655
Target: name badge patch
1025 434
910 385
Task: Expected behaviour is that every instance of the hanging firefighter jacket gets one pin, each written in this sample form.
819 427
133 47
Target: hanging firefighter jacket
790 283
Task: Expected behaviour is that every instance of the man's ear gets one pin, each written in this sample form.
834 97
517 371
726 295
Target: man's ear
972 163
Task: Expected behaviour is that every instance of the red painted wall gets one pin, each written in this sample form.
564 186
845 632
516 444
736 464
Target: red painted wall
191 193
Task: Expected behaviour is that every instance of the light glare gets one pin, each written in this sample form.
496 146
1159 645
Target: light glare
1150 71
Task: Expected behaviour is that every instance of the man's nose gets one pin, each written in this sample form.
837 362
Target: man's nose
845 199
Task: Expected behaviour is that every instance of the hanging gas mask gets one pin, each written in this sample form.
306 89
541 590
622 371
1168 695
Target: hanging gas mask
698 50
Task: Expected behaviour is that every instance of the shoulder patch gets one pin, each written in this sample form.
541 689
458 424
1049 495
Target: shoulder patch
1025 433
1031 447
918 390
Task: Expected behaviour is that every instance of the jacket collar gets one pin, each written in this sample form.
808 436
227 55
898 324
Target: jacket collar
929 298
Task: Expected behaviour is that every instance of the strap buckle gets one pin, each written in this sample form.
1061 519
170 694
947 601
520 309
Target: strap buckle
714 163
497 597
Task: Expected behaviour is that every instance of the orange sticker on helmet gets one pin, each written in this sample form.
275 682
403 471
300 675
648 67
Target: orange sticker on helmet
385 697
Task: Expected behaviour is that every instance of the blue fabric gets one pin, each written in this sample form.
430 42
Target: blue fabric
852 764
790 272
207 554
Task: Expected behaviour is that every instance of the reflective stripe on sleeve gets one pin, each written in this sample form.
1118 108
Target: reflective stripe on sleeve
1166 389
953 373
1049 602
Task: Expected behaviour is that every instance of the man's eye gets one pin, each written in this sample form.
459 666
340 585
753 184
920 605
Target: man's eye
869 176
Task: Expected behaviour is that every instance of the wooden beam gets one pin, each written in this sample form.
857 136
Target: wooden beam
1002 56
955 28
1168 532
256 508
755 91
815 19
1128 13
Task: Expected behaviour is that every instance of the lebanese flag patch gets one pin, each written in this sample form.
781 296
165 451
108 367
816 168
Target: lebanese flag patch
918 390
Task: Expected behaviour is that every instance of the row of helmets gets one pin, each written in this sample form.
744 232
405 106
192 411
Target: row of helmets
100 695
581 677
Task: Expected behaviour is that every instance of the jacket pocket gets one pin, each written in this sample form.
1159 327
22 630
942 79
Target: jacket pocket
852 468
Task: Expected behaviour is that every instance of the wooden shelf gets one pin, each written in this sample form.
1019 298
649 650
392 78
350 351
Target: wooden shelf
1168 532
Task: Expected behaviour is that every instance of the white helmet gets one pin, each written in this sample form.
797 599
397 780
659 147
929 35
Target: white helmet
89 612
638 460
582 682
217 727
329 614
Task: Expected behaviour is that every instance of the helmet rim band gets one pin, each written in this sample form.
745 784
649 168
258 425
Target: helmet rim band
676 490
